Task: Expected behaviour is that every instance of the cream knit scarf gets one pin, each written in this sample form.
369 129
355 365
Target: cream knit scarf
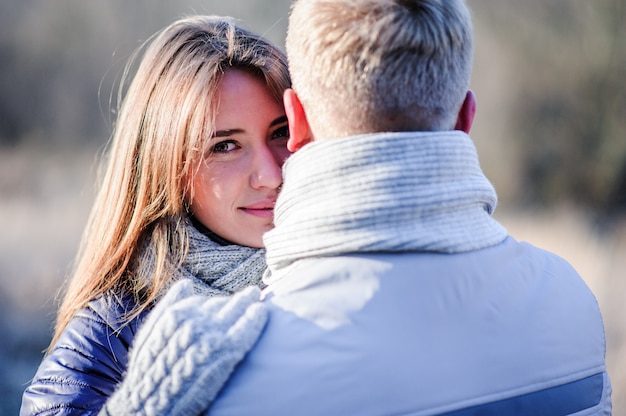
387 192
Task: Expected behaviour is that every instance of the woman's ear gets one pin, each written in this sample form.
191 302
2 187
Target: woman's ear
467 112
299 130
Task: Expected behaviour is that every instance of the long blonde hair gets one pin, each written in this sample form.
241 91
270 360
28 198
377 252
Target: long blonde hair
165 118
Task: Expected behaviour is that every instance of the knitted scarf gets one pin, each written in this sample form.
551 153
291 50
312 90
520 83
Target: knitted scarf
215 269
387 192
221 269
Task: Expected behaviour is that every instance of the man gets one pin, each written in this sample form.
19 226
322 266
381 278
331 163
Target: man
391 289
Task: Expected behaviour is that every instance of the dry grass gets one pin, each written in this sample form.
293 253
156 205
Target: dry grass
44 199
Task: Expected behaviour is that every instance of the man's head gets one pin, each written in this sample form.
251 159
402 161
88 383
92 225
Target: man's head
364 66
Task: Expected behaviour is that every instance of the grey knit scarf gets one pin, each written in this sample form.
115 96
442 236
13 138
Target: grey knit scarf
215 269
221 269
388 192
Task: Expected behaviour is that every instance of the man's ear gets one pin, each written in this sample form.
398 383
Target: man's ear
467 112
299 130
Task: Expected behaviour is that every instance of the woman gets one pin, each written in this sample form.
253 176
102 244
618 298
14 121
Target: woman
189 189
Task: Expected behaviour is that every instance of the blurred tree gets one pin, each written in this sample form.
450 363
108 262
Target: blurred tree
572 113
60 60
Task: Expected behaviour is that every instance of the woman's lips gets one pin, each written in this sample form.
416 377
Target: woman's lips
262 210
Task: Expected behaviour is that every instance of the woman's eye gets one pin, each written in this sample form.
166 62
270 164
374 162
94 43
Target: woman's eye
281 132
224 147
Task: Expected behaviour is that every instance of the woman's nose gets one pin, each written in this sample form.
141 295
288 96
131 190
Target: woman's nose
267 172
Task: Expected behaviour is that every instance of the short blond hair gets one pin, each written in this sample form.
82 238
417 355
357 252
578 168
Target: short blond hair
361 66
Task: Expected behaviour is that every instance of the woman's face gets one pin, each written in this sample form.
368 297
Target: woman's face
237 182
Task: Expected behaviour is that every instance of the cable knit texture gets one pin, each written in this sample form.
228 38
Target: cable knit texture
186 350
171 360
192 340
409 191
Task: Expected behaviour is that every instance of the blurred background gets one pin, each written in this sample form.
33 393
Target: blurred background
550 129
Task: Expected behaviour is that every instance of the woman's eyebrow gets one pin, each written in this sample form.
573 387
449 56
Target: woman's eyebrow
226 133
230 132
279 120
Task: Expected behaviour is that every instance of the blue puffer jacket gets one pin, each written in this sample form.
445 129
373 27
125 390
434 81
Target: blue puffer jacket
86 364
